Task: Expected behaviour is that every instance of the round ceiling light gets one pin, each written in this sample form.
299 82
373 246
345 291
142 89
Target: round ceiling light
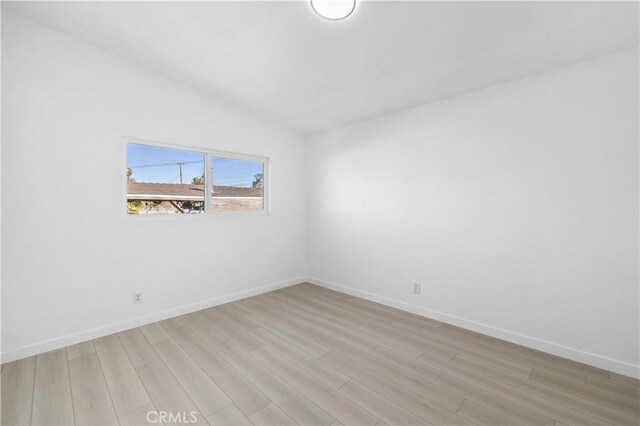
333 10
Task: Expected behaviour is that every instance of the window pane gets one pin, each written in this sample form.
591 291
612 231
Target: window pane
164 181
237 184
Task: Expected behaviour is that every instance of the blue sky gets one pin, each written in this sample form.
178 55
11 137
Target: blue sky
159 165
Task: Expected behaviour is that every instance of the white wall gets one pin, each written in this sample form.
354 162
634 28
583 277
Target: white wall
71 260
516 207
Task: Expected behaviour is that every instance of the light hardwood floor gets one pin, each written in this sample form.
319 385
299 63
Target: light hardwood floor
308 355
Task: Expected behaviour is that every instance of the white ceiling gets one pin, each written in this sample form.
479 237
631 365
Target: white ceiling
281 61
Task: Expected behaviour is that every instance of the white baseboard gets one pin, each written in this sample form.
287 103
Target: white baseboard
599 361
594 360
94 333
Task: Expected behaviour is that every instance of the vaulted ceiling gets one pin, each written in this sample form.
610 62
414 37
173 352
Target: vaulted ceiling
283 62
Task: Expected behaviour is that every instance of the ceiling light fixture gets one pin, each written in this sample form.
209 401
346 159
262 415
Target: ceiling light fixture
333 10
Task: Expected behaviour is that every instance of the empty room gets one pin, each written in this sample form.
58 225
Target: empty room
325 212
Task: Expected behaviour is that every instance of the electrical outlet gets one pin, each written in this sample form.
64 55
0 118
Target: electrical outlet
137 298
416 287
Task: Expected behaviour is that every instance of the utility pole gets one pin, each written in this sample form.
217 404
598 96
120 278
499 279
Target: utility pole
180 165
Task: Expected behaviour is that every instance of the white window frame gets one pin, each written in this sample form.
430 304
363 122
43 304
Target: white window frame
208 153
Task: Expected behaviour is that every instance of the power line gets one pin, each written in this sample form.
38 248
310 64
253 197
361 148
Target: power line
177 163
141 166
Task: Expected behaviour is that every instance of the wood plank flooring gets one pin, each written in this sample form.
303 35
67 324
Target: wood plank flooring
312 356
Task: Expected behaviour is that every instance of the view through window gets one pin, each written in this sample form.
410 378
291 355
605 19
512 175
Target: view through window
164 181
237 184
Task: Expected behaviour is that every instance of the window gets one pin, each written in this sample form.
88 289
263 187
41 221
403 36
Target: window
237 184
167 180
